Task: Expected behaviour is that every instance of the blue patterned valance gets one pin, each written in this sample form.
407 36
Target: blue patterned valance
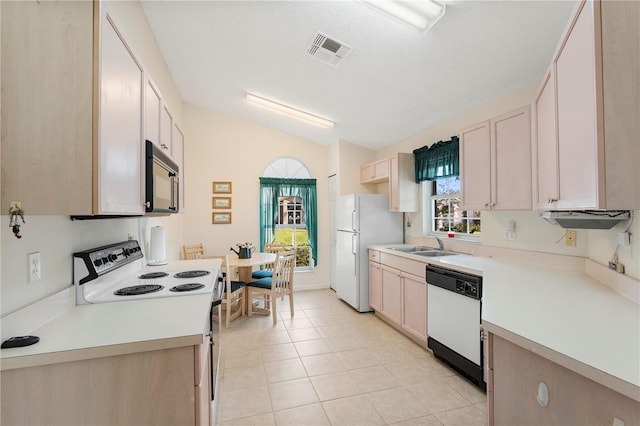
438 160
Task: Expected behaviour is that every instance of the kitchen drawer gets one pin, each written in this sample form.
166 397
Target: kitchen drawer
374 256
409 266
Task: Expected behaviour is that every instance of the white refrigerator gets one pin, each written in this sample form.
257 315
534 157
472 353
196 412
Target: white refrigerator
361 220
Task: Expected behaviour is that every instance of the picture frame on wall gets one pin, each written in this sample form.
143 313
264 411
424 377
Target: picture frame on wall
221 203
220 218
222 187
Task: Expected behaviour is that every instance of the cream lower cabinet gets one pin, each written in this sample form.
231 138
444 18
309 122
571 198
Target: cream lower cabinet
398 293
515 375
169 386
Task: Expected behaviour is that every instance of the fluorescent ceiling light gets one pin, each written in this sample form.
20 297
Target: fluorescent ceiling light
420 14
289 111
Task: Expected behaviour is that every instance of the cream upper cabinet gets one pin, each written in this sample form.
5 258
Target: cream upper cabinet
83 121
166 129
153 110
375 172
178 156
596 67
403 190
120 157
495 163
547 142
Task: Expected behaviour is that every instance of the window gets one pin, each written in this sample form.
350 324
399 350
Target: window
288 210
446 214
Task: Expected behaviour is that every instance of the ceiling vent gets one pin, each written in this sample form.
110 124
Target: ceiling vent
328 50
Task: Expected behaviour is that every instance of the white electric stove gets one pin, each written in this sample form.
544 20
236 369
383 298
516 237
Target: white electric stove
116 273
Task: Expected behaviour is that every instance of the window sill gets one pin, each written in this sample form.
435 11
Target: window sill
459 237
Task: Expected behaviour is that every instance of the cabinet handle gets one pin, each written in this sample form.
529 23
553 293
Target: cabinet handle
492 204
486 204
163 146
551 200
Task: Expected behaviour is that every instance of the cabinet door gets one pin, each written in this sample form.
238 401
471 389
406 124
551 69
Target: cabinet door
177 152
166 130
381 170
367 173
414 313
203 387
576 100
153 110
375 286
511 160
120 129
475 167
391 294
403 190
547 146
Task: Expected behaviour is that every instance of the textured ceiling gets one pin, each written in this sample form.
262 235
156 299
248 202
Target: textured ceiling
395 82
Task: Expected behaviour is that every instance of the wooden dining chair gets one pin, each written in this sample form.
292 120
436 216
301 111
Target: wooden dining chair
192 251
278 285
266 271
234 294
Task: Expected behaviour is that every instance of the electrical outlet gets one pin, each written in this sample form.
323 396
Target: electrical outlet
510 231
570 238
35 270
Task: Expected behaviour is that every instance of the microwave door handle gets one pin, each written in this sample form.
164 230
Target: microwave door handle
172 205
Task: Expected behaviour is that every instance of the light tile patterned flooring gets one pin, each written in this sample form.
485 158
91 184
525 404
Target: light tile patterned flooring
329 365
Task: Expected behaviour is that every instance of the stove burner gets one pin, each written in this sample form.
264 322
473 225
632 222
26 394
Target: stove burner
191 274
187 287
153 275
138 289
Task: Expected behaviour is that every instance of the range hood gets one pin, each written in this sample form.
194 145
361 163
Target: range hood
586 219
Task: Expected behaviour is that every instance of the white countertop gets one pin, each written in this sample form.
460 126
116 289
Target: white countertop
107 329
562 309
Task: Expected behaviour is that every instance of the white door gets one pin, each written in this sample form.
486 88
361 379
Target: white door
347 267
332 226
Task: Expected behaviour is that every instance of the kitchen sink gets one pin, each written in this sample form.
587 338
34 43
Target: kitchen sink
409 249
434 253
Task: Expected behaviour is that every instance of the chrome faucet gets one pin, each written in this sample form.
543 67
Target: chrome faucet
440 243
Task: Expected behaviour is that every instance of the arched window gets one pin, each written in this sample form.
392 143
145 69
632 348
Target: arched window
288 209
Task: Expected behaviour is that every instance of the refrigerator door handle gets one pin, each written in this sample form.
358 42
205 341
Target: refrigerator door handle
353 220
355 257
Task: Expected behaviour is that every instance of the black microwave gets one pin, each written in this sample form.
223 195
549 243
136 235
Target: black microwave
161 181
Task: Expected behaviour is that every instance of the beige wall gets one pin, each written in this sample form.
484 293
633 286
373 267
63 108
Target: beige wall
57 237
222 148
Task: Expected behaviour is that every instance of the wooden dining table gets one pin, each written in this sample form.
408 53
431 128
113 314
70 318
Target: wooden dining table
245 266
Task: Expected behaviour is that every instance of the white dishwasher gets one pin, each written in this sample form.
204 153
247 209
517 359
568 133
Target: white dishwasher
454 301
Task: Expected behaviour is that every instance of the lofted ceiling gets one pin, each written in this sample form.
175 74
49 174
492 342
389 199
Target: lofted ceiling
395 82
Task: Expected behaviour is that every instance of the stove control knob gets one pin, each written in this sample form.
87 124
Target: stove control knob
112 257
97 262
105 260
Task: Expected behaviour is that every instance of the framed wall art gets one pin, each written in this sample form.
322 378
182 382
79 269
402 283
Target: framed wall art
221 218
222 187
221 203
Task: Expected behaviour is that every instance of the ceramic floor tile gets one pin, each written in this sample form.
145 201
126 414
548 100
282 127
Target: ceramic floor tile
268 338
352 411
335 330
308 415
345 343
358 358
302 334
312 347
245 360
482 406
247 402
468 416
373 379
279 352
317 365
244 377
280 371
421 421
292 393
297 323
328 320
466 388
409 372
333 386
260 420
396 405
437 396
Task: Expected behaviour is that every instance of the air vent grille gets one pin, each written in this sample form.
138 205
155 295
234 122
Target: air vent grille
328 49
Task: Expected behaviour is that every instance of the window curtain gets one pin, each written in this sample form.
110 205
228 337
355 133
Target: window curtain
270 190
438 160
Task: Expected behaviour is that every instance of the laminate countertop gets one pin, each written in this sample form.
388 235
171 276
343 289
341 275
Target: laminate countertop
561 313
70 332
